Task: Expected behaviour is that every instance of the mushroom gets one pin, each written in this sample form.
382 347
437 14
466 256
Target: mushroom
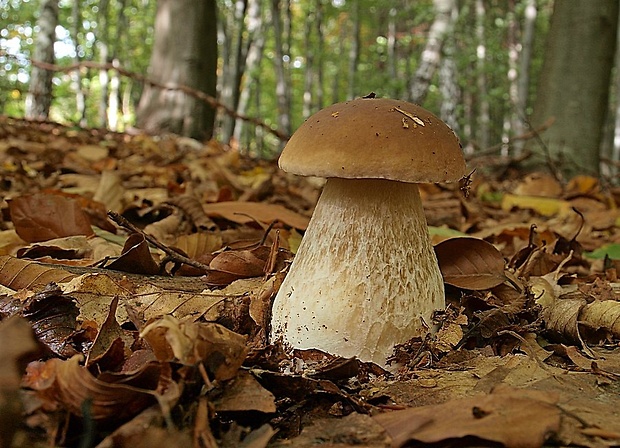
365 276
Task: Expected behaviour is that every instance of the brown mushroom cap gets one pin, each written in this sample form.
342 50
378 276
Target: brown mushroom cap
375 138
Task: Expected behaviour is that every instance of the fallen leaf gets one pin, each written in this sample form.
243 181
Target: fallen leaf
109 397
246 212
18 345
40 217
511 417
470 263
244 393
219 349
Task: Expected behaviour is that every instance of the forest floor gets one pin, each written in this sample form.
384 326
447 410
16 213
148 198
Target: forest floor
137 276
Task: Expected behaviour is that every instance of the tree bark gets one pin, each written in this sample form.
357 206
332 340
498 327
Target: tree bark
283 87
483 117
39 98
354 49
432 51
234 65
252 62
574 86
76 76
448 84
184 53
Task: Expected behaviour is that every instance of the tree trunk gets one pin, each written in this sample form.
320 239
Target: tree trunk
252 62
234 66
391 51
483 118
184 53
574 86
448 84
354 49
320 78
76 76
39 98
103 38
283 87
432 52
525 60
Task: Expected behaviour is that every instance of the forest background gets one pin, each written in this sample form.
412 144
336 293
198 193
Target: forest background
529 81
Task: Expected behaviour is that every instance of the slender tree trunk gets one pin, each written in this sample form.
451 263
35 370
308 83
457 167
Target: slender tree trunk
483 119
354 49
525 60
103 38
391 50
320 78
76 76
39 98
512 120
309 66
235 67
613 145
185 53
283 88
253 60
114 102
448 86
574 86
432 52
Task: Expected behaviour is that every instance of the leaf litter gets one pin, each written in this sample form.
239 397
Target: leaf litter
151 329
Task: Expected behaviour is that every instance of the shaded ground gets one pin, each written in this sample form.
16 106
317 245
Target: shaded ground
146 326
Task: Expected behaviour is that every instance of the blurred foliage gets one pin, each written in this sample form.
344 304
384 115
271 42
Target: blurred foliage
126 26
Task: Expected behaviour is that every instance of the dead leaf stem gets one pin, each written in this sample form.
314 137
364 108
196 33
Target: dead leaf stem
174 255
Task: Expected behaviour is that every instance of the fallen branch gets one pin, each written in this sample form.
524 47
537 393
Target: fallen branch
213 102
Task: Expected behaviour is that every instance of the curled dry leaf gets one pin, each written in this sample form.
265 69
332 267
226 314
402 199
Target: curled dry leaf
232 265
512 418
52 316
573 316
470 263
219 349
136 257
110 396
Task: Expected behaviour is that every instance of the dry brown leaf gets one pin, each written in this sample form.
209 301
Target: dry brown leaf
18 274
246 212
194 209
110 396
136 257
244 393
41 217
51 315
242 263
511 417
199 244
470 263
539 184
219 349
18 344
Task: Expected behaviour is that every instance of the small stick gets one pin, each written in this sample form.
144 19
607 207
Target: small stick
174 255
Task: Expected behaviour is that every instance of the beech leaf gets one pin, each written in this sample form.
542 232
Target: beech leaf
470 263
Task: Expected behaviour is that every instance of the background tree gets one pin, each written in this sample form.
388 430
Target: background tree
39 96
574 85
184 53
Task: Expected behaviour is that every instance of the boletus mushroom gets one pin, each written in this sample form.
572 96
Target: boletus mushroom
365 276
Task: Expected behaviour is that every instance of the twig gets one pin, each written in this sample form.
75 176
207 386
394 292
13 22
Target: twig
180 87
174 255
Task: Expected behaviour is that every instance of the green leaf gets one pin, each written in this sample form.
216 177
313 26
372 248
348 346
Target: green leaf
611 250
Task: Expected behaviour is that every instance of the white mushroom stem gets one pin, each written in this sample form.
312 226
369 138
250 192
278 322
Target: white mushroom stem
365 276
